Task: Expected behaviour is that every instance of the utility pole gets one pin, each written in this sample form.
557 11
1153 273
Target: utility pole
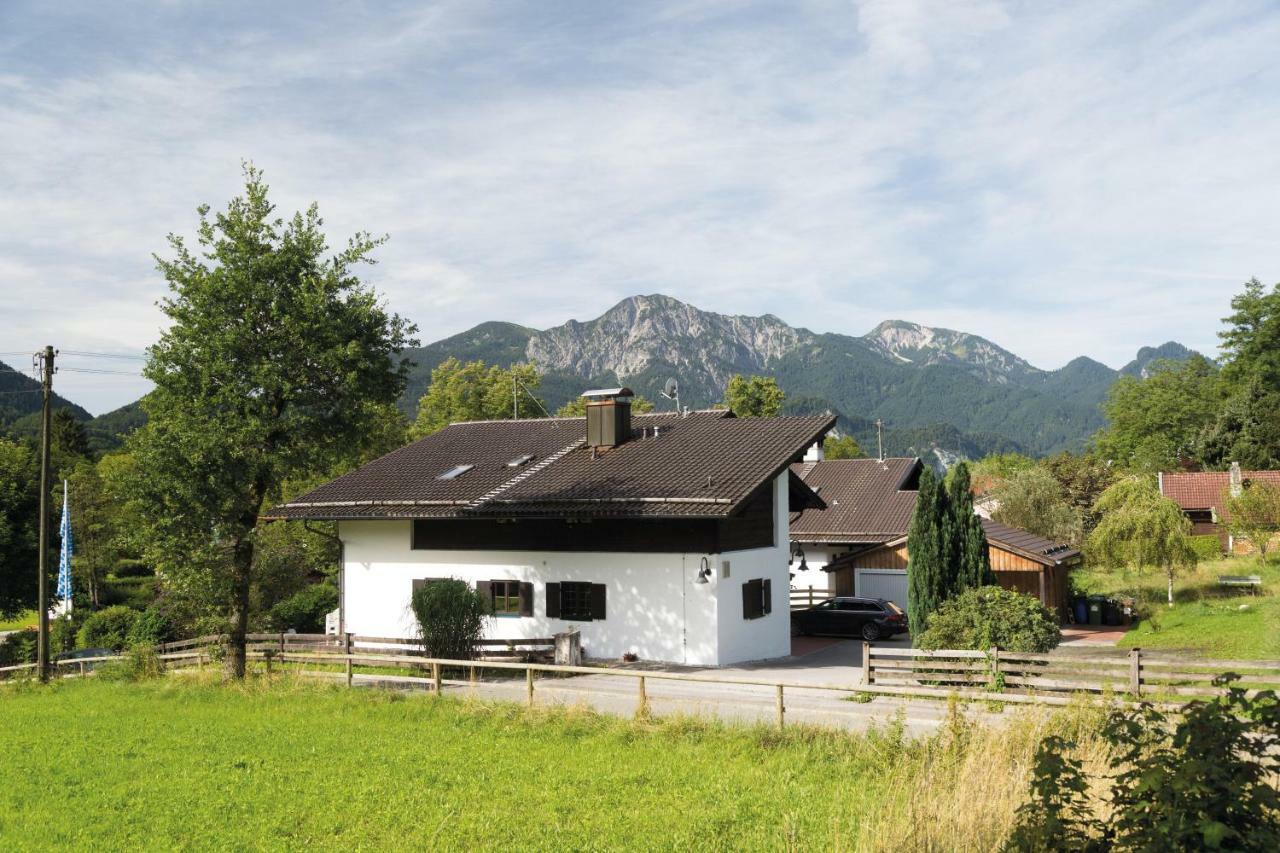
46 382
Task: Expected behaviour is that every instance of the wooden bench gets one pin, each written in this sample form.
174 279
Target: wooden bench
1254 582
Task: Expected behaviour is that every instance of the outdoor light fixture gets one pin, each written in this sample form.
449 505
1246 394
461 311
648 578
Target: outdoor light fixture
799 552
704 572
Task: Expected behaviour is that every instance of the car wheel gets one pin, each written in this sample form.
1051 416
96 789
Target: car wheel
870 631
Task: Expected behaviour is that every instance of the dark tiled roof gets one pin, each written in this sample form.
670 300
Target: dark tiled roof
1029 545
867 500
1208 489
704 465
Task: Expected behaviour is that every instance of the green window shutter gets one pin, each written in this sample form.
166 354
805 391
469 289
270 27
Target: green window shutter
553 600
766 597
597 601
485 589
526 599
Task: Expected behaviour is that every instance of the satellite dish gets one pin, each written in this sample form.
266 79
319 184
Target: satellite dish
672 391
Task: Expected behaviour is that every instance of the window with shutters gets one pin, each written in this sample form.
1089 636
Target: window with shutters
508 597
576 601
757 598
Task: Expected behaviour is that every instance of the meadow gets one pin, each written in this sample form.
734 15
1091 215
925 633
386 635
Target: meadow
17 623
191 763
1207 619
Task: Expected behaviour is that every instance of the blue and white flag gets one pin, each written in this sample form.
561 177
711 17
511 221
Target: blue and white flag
64 564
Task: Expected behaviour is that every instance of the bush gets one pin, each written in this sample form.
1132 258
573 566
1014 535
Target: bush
1208 547
137 593
62 635
139 664
126 568
991 616
1201 779
108 628
304 611
19 647
450 618
152 627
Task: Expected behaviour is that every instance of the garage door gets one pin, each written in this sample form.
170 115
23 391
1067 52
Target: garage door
882 583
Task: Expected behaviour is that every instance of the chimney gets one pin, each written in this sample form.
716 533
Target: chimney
608 417
1237 481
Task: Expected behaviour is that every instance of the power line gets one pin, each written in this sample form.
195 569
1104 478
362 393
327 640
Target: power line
100 370
102 354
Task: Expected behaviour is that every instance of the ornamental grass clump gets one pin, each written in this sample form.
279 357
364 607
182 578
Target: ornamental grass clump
450 618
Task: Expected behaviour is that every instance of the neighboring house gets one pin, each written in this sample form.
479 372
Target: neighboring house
660 535
860 539
1203 497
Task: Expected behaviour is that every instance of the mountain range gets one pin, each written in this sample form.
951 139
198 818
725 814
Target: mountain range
940 393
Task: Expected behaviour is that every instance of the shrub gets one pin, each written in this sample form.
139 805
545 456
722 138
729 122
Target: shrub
1201 779
139 664
126 568
450 618
991 616
108 628
136 593
62 635
19 647
153 626
1207 547
304 611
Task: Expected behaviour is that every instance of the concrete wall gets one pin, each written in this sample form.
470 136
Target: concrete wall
653 607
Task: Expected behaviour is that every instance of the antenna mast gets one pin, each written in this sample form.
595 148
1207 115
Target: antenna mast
880 439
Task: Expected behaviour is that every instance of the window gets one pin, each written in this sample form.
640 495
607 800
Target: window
858 606
508 597
455 472
576 601
757 598
520 460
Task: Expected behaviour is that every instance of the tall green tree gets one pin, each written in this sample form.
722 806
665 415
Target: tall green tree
992 471
1034 500
1251 341
19 526
754 396
1083 478
1247 429
1139 527
968 563
475 391
274 350
842 447
1154 423
925 553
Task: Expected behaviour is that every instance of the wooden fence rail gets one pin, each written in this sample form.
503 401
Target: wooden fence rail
802 597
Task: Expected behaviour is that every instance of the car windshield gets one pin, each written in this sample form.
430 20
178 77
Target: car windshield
893 608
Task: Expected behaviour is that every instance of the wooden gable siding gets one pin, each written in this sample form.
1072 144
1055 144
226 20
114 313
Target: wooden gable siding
1007 561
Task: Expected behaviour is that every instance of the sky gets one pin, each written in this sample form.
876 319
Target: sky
1064 179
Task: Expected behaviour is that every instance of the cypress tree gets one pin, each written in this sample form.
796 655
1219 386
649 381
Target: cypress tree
924 552
969 561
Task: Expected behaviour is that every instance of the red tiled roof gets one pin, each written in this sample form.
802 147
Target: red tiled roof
867 500
706 464
1207 489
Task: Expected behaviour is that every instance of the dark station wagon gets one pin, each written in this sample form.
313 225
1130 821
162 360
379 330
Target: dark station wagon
846 616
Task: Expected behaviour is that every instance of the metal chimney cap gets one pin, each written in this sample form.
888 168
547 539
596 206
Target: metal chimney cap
608 392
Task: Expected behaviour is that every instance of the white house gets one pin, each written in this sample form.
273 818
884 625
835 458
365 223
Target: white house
664 535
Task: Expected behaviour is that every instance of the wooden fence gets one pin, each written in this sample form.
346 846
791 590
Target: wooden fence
802 597
1137 674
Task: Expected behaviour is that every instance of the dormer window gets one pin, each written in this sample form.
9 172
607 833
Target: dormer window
455 472
520 460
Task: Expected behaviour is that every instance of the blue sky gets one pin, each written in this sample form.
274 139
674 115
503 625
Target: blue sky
1064 179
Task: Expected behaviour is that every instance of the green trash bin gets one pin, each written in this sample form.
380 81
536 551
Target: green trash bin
1096 605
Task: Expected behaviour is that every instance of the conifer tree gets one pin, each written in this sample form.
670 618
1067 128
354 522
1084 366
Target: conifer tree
969 562
925 553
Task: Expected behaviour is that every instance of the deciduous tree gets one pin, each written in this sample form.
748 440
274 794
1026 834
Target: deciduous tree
1139 527
475 391
1154 423
841 447
274 350
754 396
1033 500
1255 514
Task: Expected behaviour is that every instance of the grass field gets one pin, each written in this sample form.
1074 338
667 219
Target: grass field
17 623
1206 619
196 765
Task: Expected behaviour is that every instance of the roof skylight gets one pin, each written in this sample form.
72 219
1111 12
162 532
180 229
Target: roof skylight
455 472
520 460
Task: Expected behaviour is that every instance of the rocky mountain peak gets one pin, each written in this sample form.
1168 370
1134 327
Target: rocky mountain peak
911 343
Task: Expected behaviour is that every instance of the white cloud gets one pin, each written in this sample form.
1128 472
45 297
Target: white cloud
1074 180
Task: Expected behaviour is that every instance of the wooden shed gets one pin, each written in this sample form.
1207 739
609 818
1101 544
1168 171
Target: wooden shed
1021 561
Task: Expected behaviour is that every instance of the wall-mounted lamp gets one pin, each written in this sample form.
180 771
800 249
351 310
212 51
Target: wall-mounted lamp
798 552
704 572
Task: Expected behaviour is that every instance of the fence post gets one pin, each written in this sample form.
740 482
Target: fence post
994 681
528 684
1135 671
642 701
866 662
347 652
782 710
82 669
435 678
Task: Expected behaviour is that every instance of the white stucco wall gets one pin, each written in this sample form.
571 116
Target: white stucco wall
653 606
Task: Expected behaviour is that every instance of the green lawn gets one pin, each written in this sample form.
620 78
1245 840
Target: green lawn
1206 619
169 764
17 623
